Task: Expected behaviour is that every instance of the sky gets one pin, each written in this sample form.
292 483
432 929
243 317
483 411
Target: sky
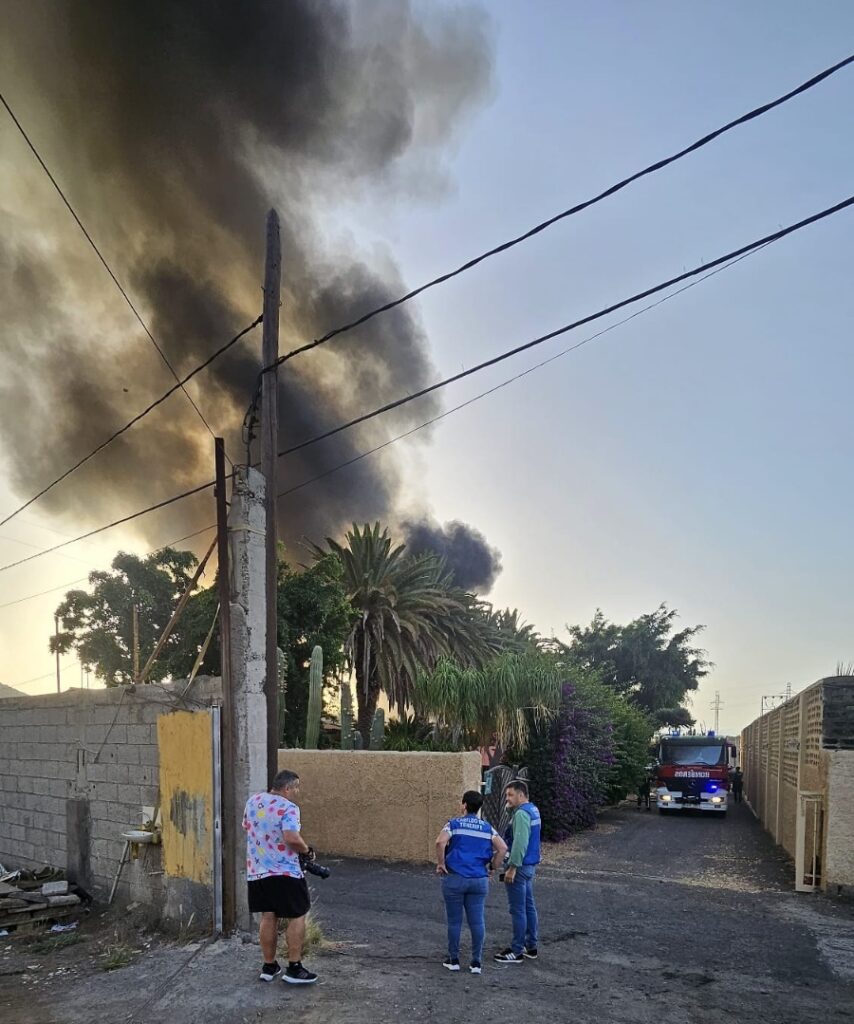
699 455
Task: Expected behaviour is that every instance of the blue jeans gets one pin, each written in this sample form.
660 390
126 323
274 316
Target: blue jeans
523 913
465 895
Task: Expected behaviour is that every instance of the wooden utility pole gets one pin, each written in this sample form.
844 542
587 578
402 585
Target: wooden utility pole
135 641
269 454
229 743
56 624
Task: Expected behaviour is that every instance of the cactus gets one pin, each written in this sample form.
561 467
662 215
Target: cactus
346 717
378 730
315 690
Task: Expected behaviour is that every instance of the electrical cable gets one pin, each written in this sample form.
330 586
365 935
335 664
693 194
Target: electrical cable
136 419
703 269
578 208
100 256
696 271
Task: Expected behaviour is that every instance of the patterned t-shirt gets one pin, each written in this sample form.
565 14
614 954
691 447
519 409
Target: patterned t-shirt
266 817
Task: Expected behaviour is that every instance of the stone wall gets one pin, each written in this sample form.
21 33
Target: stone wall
79 768
383 804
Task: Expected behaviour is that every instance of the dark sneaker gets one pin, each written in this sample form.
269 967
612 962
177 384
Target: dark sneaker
296 974
509 957
269 972
476 967
530 954
451 965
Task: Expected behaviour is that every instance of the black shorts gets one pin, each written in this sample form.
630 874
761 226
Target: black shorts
280 895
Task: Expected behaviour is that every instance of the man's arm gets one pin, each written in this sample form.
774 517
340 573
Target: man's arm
521 838
295 841
442 841
499 852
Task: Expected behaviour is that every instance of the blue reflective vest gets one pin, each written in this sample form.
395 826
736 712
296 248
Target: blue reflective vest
532 854
470 849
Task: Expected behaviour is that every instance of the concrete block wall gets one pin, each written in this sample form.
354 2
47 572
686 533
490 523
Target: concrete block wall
76 770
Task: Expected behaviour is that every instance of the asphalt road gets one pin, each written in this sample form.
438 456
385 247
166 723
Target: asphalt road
672 920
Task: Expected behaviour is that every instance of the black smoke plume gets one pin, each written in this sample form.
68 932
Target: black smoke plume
173 127
474 564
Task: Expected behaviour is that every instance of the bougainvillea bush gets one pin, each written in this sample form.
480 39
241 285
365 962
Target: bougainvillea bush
569 762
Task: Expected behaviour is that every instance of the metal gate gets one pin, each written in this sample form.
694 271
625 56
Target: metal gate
809 838
494 783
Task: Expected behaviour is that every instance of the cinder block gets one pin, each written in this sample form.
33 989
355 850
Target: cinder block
142 734
95 771
118 773
149 756
128 755
130 796
108 792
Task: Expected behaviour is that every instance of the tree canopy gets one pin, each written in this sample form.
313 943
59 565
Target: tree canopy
98 624
645 659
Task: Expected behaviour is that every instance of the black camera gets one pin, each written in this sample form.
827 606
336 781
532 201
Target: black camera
308 864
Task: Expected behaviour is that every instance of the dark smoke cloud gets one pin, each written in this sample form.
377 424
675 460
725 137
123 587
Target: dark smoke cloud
467 554
174 126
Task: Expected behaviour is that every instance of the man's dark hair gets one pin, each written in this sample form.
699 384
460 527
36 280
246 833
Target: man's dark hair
284 779
519 785
473 801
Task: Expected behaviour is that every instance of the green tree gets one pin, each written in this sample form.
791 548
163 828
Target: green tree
98 625
506 697
406 614
312 609
673 717
645 659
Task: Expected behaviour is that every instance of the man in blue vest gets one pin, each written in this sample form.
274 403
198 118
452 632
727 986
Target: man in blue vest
523 836
467 849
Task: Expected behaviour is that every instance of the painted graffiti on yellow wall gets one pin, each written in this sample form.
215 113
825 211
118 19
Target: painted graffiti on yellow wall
184 739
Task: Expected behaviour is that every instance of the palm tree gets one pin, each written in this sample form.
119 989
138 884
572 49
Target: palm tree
407 614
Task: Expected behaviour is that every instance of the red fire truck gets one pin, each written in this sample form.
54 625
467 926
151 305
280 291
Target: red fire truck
693 772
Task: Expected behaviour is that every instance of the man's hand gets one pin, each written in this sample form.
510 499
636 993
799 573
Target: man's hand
441 869
510 875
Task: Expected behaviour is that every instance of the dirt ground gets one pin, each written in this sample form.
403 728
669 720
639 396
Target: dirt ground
681 920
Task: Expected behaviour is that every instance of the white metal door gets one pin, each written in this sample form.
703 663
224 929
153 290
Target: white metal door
808 842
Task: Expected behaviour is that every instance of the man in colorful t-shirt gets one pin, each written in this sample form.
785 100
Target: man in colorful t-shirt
277 885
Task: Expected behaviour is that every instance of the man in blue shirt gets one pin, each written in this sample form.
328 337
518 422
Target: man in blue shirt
524 838
467 849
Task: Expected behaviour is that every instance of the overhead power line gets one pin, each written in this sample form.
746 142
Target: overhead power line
100 256
118 433
696 272
637 297
578 208
510 380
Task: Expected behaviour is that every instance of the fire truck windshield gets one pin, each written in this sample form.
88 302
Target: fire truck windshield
707 754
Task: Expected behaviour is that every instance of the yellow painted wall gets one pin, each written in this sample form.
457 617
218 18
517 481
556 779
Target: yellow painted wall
185 745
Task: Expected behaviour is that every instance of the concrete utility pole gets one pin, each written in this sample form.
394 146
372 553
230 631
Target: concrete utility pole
135 633
229 742
56 624
269 454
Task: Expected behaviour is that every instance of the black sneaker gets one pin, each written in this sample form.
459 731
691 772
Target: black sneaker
507 956
269 972
530 954
476 967
451 965
296 974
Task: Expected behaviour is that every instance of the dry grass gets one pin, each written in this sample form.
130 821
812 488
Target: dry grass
315 940
117 956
